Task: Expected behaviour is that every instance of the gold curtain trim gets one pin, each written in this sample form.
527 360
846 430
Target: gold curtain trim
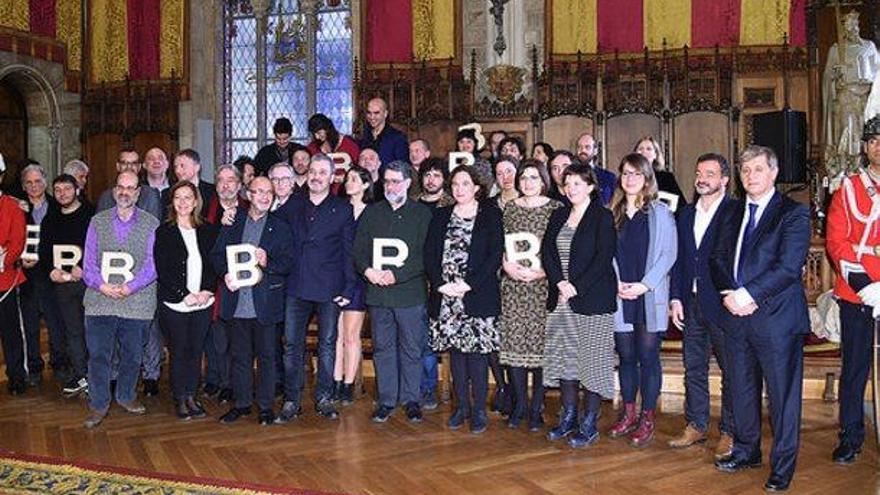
574 26
669 20
15 14
764 22
172 17
423 29
68 20
109 44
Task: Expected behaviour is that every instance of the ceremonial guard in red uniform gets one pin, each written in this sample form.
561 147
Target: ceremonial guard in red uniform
853 244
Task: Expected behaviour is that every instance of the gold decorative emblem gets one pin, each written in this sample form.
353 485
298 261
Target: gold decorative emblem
505 81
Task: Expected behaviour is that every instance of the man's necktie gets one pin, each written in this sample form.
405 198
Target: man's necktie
747 235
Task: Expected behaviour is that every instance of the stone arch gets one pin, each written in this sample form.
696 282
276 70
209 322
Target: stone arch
43 112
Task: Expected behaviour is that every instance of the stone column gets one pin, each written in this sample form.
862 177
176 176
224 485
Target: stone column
261 11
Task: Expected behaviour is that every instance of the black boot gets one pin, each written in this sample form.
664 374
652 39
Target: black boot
536 408
346 397
336 395
567 424
518 386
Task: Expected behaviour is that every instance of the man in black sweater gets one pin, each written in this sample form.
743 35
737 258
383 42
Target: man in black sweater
63 237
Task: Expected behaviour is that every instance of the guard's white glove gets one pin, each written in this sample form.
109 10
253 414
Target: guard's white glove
870 295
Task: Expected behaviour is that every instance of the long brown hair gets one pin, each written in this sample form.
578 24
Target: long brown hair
647 195
196 215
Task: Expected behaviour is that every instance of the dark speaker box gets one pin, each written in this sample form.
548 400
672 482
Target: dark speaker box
786 133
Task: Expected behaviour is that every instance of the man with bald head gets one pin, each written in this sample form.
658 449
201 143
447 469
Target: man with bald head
156 164
588 152
390 143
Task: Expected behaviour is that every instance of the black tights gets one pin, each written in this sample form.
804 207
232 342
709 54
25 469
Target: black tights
519 381
469 374
497 370
569 389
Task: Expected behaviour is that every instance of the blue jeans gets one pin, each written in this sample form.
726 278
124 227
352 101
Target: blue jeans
429 372
399 339
103 335
296 323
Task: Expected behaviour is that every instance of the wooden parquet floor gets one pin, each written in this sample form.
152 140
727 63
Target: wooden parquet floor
353 455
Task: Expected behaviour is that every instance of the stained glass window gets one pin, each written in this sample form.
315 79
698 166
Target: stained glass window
287 63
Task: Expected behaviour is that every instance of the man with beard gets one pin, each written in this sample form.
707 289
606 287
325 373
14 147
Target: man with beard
695 305
226 202
148 199
62 240
321 281
587 152
279 151
433 176
396 293
419 151
388 142
253 312
120 301
80 171
301 171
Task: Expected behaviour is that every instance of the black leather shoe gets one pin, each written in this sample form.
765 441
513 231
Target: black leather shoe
151 388
414 412
267 417
731 464
325 409
845 453
233 414
776 483
17 387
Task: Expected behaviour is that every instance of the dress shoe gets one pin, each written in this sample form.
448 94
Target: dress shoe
458 418
266 417
325 409
776 483
133 407
346 397
731 464
690 436
587 434
845 453
233 414
94 418
289 411
479 422
414 412
151 387
628 422
568 423
17 387
725 446
382 414
196 409
225 396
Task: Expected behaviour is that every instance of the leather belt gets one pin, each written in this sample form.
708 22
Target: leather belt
869 250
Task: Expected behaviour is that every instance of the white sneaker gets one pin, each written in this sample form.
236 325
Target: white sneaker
76 387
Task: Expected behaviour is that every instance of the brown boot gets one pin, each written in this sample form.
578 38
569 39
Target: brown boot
644 434
688 437
627 422
725 446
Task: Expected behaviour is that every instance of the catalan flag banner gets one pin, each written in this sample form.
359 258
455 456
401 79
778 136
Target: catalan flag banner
626 26
410 30
140 39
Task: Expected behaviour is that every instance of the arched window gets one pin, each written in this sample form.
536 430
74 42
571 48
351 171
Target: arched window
308 51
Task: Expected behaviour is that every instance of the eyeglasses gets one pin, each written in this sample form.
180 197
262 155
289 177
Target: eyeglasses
280 180
630 174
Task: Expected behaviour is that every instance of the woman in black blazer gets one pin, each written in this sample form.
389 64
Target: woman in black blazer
186 291
578 253
462 257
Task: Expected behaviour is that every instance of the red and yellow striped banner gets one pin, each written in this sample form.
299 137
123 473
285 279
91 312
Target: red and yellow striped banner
592 26
141 39
410 30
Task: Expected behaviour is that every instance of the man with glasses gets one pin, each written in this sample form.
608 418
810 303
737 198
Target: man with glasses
120 298
253 312
281 175
388 253
148 197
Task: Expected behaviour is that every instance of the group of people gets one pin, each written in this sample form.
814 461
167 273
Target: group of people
547 266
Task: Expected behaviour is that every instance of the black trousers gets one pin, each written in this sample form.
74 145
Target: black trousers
70 304
12 337
249 339
856 341
186 337
470 374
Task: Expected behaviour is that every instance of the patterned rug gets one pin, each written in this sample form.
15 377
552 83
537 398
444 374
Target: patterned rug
31 474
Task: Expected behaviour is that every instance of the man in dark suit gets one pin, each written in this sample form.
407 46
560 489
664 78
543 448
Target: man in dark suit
252 312
188 167
756 266
695 306
322 280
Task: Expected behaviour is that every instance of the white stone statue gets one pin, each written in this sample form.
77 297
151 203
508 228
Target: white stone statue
851 71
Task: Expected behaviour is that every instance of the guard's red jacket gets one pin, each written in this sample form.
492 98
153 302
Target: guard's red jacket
12 236
844 233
